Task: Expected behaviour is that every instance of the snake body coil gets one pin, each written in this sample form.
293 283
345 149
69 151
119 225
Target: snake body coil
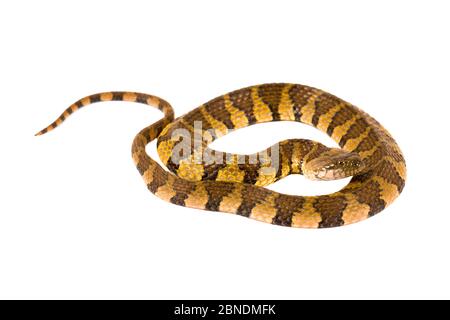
235 183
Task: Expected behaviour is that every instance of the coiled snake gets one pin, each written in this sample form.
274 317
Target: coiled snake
211 180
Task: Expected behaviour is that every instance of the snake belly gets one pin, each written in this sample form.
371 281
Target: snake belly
237 187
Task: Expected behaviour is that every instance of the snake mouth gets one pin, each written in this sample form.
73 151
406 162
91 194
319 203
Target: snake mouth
324 174
328 174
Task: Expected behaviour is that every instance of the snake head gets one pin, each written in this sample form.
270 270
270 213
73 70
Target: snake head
333 164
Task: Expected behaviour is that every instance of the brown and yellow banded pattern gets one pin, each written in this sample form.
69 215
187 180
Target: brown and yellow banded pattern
238 187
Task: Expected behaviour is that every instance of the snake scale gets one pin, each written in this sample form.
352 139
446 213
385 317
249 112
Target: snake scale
235 183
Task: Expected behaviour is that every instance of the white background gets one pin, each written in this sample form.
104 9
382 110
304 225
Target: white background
76 221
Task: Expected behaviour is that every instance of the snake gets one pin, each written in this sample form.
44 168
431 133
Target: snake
199 177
